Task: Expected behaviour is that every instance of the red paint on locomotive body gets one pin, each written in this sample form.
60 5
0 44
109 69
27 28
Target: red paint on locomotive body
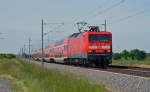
82 44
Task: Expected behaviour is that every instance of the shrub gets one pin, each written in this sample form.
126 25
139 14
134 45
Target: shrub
116 56
8 56
134 54
125 54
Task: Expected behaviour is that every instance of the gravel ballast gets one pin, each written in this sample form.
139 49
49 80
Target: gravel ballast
114 81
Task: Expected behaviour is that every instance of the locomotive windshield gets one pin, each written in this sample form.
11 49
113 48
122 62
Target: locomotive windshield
99 38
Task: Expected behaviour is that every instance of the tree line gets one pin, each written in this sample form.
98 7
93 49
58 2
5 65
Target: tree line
134 54
9 56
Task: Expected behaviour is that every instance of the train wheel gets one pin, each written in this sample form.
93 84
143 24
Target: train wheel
84 63
69 61
104 64
65 61
93 65
52 60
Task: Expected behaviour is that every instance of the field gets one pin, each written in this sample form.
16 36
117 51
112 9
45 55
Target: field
26 77
129 62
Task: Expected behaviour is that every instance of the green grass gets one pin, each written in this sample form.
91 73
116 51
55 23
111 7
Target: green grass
131 62
27 77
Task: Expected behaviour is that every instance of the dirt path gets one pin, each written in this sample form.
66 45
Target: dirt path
4 86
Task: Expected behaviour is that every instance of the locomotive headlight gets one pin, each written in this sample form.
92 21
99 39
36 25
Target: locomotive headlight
108 50
93 47
106 47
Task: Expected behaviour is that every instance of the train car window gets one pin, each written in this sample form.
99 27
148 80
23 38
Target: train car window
99 38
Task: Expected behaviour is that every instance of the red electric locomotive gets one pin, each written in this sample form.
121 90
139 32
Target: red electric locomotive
92 47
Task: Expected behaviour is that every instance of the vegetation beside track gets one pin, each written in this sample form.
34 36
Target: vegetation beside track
134 54
133 57
26 77
130 62
8 56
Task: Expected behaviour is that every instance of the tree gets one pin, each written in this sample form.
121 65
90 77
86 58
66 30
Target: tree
132 54
137 54
140 55
125 54
9 56
148 54
116 56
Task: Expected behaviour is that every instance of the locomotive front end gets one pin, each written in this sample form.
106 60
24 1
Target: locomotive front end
99 48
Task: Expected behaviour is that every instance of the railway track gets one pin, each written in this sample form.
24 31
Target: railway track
135 71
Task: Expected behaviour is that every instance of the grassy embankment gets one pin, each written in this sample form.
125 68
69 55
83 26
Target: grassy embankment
27 77
129 62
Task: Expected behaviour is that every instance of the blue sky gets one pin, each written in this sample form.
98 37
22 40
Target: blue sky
21 20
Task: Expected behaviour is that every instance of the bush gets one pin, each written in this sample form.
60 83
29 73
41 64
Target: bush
140 55
2 56
137 54
116 56
134 54
8 56
125 54
148 54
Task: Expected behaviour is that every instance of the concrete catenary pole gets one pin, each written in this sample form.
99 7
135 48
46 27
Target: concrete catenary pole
42 45
29 47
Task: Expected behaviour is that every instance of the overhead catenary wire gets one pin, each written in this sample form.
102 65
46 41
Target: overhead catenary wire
106 9
131 16
91 12
103 11
131 10
54 29
100 12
